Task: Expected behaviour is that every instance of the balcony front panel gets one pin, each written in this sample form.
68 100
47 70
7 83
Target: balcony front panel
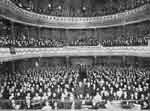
22 53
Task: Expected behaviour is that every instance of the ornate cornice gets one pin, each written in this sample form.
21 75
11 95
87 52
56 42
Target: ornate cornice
22 53
10 11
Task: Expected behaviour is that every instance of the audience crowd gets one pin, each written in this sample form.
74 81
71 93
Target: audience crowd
44 43
64 88
62 8
129 41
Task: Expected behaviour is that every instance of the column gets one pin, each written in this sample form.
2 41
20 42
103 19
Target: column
95 33
124 60
109 60
28 32
12 35
67 37
39 32
95 60
12 63
13 68
12 38
67 62
12 31
140 61
148 40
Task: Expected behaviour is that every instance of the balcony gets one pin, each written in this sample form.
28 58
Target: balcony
10 11
21 53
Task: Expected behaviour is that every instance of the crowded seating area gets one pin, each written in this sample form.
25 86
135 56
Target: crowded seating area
5 42
79 8
66 87
131 41
68 54
34 37
30 43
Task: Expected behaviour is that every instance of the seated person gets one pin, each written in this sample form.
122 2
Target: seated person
47 107
97 99
36 101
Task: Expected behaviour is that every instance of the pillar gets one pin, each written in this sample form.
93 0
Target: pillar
95 60
28 32
11 67
139 61
39 32
12 63
67 36
67 61
109 60
95 33
124 60
12 38
148 42
12 31
12 35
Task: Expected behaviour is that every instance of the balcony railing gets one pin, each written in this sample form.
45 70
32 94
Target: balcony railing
22 53
16 14
118 105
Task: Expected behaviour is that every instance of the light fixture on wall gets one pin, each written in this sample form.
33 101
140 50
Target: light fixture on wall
37 64
84 8
49 5
59 7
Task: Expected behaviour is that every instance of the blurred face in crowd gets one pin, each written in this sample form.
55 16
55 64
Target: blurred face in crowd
36 94
80 84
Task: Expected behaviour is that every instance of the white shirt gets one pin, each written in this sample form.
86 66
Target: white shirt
46 108
97 98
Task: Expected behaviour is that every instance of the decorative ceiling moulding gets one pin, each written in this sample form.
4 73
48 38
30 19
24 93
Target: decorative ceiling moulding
10 11
23 53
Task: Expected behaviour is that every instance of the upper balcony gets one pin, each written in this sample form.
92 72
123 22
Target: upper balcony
23 36
17 14
79 8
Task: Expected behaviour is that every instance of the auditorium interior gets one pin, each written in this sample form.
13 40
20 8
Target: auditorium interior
75 55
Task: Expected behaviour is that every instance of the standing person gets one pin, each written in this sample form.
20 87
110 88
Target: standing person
28 100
